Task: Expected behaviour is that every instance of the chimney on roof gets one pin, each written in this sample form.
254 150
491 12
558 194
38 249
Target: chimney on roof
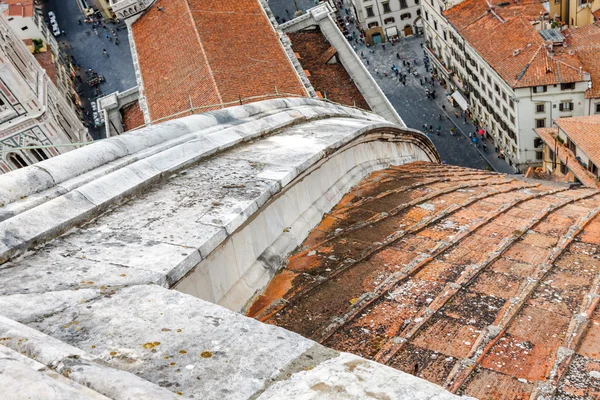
548 70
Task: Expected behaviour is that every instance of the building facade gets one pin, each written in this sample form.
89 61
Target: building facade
570 149
383 20
515 72
33 112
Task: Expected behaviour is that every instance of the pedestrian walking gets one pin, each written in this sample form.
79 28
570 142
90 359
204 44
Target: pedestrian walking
78 22
456 114
444 107
421 81
96 31
104 53
376 72
485 147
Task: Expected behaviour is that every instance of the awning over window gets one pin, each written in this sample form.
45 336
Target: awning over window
460 100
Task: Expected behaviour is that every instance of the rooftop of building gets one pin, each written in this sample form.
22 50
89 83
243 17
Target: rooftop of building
97 243
202 53
585 43
566 156
133 117
46 60
331 79
479 282
18 8
585 133
505 37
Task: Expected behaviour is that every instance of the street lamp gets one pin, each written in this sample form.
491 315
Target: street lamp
298 11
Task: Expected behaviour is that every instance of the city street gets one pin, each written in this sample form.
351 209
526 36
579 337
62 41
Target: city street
86 52
415 109
410 100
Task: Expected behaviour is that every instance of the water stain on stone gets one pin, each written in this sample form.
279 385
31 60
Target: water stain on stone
206 354
150 345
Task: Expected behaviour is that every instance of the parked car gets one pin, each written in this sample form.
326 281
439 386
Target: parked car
52 16
55 29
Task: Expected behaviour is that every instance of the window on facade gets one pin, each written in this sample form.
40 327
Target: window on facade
497 102
489 79
17 160
512 119
504 96
565 106
511 103
537 142
540 123
416 2
540 89
496 88
426 15
441 10
563 168
538 155
386 7
597 108
419 11
11 18
373 25
592 168
370 12
39 154
405 16
505 111
390 20
24 28
567 86
540 108
445 38
572 146
435 25
403 4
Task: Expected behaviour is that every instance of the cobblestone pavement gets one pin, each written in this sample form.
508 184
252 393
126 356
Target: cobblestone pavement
86 51
415 109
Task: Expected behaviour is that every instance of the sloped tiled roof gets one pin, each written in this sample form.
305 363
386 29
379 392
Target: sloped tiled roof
132 116
585 133
476 281
585 42
18 8
507 40
548 135
203 52
331 79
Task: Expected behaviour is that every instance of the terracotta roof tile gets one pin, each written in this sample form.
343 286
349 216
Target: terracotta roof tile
132 116
46 61
585 42
331 79
566 156
19 8
204 52
473 280
507 40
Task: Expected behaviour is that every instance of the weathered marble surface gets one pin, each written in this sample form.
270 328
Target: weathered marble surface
93 303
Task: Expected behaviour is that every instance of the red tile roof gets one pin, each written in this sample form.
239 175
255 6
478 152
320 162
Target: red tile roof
507 40
207 52
132 116
548 135
46 61
585 42
331 79
585 133
19 8
476 281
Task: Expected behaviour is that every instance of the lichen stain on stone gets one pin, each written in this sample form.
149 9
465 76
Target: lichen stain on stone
325 388
353 364
150 345
378 396
206 354
178 330
172 363
182 352
179 393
